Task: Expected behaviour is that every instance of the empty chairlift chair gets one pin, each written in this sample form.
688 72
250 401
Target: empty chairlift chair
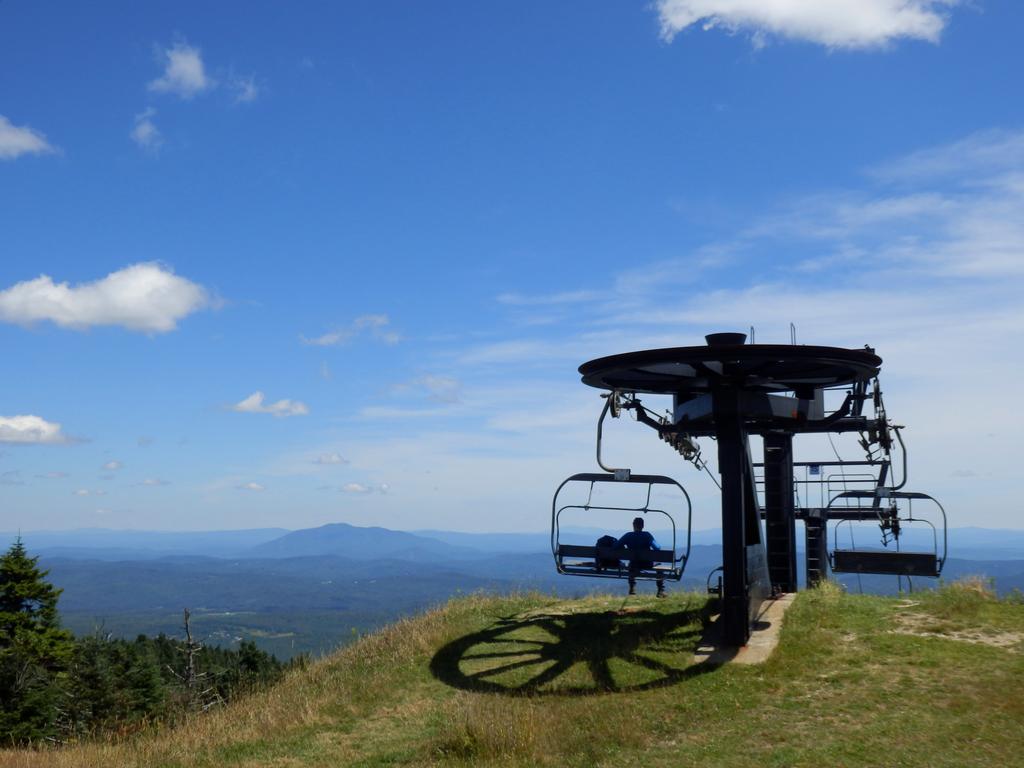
894 525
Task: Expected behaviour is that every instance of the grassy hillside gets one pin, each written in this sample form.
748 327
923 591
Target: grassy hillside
936 680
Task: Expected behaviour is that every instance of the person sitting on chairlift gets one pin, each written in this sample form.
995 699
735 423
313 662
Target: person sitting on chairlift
639 540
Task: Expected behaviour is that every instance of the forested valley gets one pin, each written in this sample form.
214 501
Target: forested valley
58 688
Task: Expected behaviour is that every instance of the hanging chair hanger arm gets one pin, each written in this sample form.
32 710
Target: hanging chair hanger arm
610 402
903 451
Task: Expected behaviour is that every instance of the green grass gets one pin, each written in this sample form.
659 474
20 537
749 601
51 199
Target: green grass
932 680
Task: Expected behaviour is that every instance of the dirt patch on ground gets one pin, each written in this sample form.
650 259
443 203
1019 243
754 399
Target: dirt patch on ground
921 625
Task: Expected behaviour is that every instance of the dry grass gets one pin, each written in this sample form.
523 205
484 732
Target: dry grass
528 730
466 685
344 686
963 599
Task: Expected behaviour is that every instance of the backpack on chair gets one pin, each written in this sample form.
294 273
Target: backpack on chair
607 562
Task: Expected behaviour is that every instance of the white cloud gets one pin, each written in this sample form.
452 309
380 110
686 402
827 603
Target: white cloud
441 389
254 403
53 475
184 74
330 458
144 297
112 465
986 152
154 481
328 339
470 463
374 325
251 487
245 88
16 141
958 213
363 488
565 297
144 132
29 429
519 351
377 413
87 492
438 388
832 23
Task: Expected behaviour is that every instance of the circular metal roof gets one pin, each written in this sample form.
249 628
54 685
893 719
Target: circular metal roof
753 367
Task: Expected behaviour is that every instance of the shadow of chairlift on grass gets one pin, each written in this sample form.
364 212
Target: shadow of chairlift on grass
578 654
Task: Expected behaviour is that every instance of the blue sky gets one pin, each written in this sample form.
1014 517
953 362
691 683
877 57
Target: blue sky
269 266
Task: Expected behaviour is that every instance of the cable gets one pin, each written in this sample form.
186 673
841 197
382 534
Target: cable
853 545
697 461
704 465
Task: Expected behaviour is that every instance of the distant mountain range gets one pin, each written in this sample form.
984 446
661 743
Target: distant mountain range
140 545
311 589
368 543
343 540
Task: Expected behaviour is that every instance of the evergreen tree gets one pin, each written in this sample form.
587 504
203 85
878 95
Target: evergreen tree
111 685
34 650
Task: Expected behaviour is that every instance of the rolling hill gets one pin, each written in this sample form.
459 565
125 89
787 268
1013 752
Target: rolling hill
531 680
358 543
309 591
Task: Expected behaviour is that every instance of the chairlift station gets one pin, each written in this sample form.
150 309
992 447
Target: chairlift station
731 391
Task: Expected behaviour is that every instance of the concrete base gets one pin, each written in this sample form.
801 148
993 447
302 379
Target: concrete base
762 642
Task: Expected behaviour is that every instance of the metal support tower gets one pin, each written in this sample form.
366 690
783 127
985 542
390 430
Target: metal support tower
730 390
745 581
779 507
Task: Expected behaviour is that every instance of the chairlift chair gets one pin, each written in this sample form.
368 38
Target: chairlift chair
612 562
893 523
